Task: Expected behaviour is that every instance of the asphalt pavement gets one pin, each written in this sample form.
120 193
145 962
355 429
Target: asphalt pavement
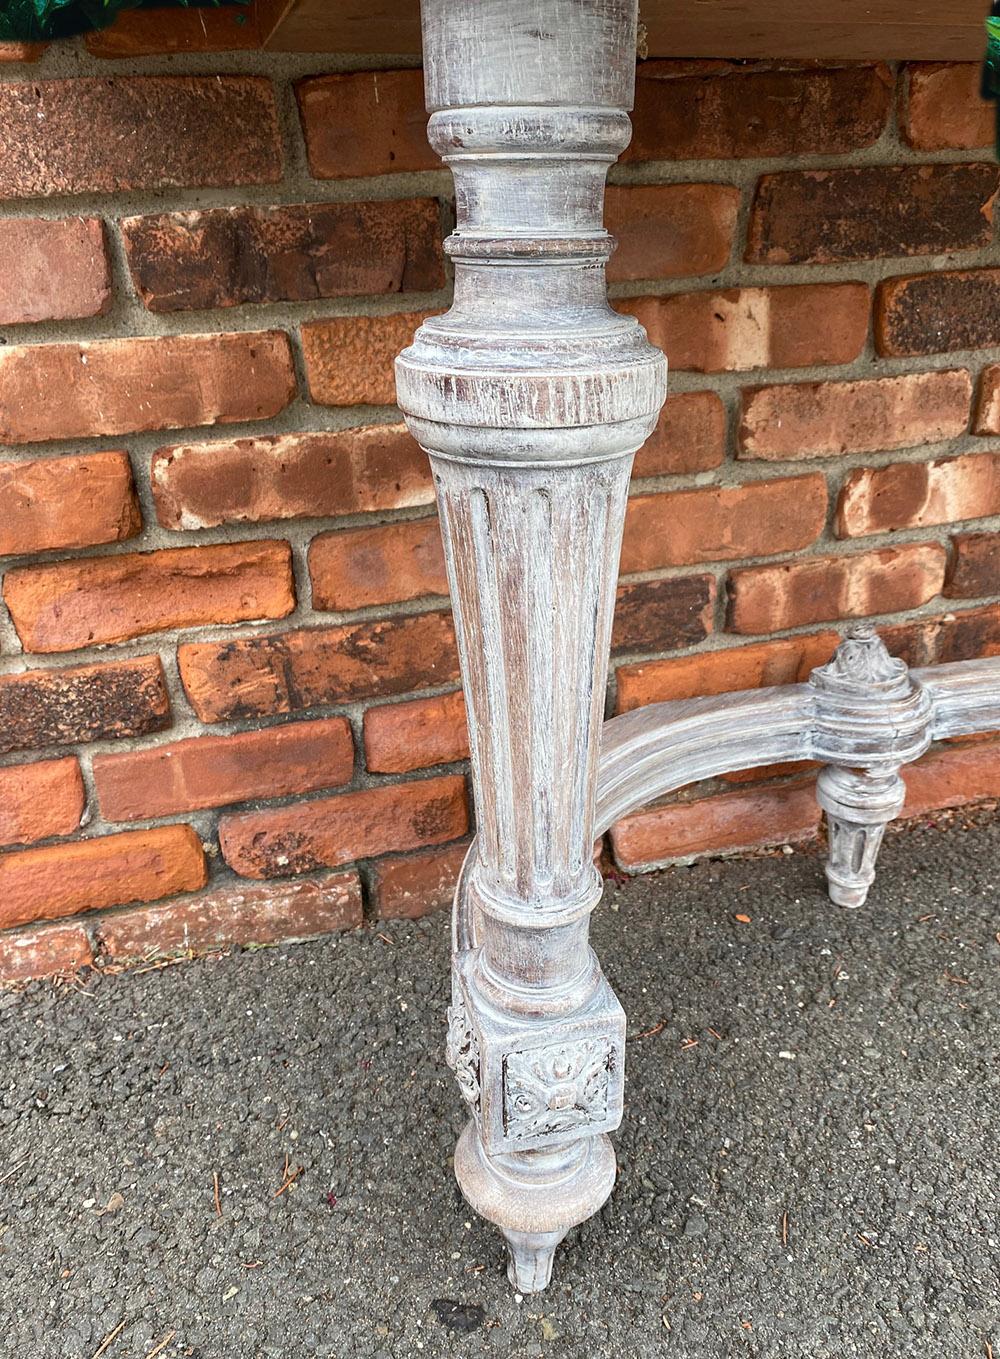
248 1157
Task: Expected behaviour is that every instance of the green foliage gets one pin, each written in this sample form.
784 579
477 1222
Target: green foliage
36 20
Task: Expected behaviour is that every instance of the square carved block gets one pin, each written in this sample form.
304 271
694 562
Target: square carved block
537 1082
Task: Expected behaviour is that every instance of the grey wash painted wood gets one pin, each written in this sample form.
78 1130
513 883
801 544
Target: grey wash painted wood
531 397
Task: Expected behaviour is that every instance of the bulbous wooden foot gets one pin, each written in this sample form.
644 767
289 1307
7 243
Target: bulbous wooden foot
535 1197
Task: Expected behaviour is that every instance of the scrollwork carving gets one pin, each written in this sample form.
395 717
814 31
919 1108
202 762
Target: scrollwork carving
556 1089
462 1053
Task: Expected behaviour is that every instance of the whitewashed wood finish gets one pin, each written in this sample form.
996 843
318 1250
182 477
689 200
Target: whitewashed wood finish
531 396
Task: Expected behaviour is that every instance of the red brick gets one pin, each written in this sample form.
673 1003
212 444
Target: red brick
95 387
660 615
21 51
365 123
142 132
952 778
401 737
939 312
82 703
824 419
290 476
93 601
947 637
353 568
292 671
941 109
717 110
690 436
795 594
233 916
151 32
67 501
750 817
87 875
975 566
787 660
52 270
718 523
28 954
349 359
670 230
225 257
735 329
211 771
863 213
40 800
418 884
329 832
919 494
987 419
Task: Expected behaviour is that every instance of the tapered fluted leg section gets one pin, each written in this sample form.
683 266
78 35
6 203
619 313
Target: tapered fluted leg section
531 396
858 807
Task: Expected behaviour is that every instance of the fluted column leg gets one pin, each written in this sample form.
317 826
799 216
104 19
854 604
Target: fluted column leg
531 396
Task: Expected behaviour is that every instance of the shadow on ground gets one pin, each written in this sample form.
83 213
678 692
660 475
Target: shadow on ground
808 1163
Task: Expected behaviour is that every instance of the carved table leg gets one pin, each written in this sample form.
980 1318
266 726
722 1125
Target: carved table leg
531 396
871 718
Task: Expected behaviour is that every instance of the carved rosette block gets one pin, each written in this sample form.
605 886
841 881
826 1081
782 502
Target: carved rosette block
531 396
871 718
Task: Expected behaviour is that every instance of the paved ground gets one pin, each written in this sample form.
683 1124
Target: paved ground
843 1093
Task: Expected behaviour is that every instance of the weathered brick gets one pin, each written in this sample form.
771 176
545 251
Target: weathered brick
750 817
670 230
233 916
211 771
87 875
82 703
941 109
52 270
152 32
918 494
225 257
659 615
365 123
824 419
717 110
40 800
290 476
863 213
690 436
328 832
718 523
417 884
142 132
92 601
939 312
952 778
94 387
975 566
349 359
293 671
787 660
353 568
987 419
69 501
401 737
946 637
27 954
735 329
794 594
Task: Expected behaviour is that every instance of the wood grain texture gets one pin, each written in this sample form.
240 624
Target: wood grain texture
849 30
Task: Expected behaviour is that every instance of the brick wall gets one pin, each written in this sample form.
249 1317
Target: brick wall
228 682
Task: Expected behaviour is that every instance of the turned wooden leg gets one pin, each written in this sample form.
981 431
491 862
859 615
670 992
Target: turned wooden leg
531 397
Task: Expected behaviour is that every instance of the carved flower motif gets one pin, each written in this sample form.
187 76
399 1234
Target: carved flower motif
462 1052
556 1089
862 659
